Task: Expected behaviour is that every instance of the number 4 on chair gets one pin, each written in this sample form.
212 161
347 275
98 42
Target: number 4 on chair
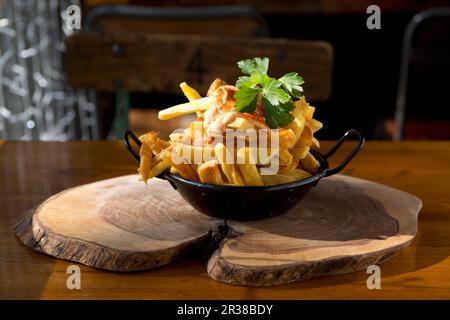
196 65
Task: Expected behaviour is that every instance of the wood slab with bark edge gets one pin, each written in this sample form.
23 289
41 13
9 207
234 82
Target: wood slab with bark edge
345 224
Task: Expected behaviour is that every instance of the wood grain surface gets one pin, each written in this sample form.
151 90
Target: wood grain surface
343 225
32 172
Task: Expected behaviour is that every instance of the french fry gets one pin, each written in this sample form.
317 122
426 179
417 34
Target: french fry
241 124
189 92
302 142
185 108
301 107
159 146
233 175
274 179
186 171
300 152
286 138
176 137
158 169
147 161
209 172
297 125
310 163
305 139
149 138
247 168
315 125
196 153
145 165
265 155
316 143
214 85
183 169
299 174
309 113
286 170
154 144
285 157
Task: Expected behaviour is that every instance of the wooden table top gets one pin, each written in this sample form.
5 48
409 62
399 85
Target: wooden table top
32 171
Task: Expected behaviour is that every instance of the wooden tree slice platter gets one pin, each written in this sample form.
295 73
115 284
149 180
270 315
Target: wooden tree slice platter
344 225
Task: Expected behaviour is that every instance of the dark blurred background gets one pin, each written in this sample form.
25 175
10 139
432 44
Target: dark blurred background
366 66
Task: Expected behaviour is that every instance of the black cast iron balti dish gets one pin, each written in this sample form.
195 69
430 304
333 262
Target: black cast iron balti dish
251 202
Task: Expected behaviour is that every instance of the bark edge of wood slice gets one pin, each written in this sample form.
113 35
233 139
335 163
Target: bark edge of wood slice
344 225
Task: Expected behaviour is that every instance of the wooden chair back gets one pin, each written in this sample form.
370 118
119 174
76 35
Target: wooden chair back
148 49
229 20
158 63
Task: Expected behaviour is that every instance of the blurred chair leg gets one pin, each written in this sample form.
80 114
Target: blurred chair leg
122 109
417 20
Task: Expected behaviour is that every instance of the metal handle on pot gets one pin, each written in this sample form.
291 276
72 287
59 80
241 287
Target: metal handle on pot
126 141
345 137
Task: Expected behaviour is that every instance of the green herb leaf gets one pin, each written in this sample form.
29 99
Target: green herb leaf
246 99
276 94
250 81
256 65
275 116
292 82
242 81
288 106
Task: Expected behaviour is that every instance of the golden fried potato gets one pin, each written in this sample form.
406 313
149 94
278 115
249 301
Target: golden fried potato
285 157
300 152
297 125
176 137
266 156
286 170
315 143
146 163
274 179
149 138
310 163
229 169
299 174
147 160
182 167
196 154
241 124
209 172
152 142
315 125
214 85
286 138
159 168
247 168
303 107
309 113
189 92
185 108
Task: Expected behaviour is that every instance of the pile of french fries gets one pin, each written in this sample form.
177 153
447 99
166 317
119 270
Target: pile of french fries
293 155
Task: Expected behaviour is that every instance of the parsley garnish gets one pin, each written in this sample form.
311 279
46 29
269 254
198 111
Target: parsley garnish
276 94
